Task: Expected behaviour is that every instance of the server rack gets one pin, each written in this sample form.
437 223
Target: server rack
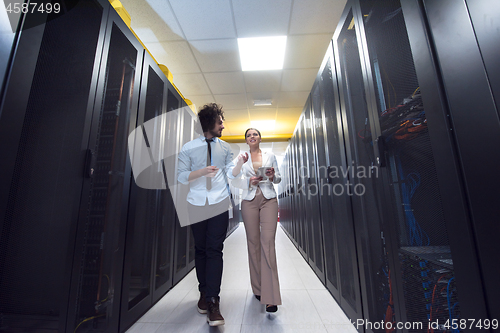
413 247
471 100
76 252
312 217
142 263
184 245
44 128
331 205
100 241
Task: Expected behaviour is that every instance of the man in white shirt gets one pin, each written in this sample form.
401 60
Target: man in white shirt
205 163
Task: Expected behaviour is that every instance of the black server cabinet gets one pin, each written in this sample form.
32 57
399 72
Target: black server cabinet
467 62
350 107
145 224
412 239
409 200
293 189
312 189
304 177
330 155
184 241
362 174
44 128
95 292
166 224
300 193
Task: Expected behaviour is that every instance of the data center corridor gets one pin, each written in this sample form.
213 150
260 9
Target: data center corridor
307 305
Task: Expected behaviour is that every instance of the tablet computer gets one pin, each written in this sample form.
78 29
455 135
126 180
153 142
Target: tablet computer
262 173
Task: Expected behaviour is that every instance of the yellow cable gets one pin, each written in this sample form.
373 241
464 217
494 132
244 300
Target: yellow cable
395 95
415 92
85 320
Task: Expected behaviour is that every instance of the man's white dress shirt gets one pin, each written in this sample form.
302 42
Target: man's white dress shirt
192 157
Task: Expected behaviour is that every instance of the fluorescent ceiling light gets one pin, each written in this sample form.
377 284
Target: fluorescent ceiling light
262 102
263 125
262 53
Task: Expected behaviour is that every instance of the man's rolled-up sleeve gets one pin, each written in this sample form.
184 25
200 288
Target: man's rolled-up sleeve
183 167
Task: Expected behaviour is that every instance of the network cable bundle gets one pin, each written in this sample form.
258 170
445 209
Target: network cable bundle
404 121
430 285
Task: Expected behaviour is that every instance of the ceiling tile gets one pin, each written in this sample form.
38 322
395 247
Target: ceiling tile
263 114
256 81
289 113
235 127
177 56
233 101
251 97
217 55
286 119
292 99
298 79
153 20
226 83
199 100
322 17
191 84
306 51
204 19
236 115
280 145
258 18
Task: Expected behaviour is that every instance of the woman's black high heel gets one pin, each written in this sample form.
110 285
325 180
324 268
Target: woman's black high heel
271 308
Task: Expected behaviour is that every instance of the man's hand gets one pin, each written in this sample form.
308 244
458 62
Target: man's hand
210 171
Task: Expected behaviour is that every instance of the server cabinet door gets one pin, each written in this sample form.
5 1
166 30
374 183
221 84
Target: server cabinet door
144 205
306 177
98 262
316 165
423 282
164 254
301 184
43 126
353 109
334 208
364 180
293 190
184 243
472 95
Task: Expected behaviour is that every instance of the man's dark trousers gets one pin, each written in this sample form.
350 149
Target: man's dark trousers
209 236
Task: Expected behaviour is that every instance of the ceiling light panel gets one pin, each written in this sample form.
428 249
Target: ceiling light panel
263 125
262 53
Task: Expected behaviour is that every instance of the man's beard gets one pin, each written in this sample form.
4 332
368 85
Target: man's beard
215 134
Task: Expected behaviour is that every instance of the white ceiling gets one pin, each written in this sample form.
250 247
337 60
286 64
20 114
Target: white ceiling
197 41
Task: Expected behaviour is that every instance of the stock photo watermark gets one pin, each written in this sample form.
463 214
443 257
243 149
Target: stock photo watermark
347 180
154 157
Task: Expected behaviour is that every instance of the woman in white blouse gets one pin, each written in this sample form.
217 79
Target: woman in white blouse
260 217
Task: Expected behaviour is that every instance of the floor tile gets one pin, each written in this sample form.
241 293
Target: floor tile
144 328
297 308
314 328
327 308
164 307
199 328
307 304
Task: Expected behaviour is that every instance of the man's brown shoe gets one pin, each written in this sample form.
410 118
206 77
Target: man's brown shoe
214 317
202 304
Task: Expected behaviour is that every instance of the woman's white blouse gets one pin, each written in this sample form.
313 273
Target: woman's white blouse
247 171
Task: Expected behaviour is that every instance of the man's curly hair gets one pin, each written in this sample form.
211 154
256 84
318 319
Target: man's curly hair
209 114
